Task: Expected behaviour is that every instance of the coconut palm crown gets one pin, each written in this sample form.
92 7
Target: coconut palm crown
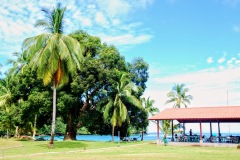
178 96
53 54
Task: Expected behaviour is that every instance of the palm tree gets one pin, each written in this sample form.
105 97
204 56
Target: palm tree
178 96
116 108
6 98
166 127
149 108
5 93
54 55
18 64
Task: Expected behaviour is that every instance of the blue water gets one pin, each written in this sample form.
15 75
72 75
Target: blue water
146 137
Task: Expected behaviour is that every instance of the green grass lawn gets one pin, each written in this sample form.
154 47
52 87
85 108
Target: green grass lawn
72 150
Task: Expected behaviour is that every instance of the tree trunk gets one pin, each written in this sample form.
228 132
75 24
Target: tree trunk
10 132
53 115
112 133
34 126
16 132
142 134
71 130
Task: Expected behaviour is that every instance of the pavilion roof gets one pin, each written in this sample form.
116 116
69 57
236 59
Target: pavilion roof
203 114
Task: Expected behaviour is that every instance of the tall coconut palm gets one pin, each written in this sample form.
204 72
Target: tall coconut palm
178 96
116 108
149 108
54 55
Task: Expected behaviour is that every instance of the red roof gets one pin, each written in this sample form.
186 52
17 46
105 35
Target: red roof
203 114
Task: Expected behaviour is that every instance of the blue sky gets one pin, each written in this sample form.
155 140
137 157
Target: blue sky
183 41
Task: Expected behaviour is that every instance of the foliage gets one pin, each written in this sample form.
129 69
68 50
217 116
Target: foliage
18 64
60 128
115 108
97 70
178 96
53 55
139 74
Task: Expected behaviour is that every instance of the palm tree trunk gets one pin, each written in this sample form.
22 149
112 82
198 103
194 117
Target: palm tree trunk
54 114
34 126
112 133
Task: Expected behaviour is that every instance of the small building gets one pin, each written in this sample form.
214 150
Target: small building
221 114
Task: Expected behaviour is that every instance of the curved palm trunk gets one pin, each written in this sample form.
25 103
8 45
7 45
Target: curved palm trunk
112 133
54 114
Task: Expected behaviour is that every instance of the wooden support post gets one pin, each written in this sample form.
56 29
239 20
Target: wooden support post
210 129
158 138
200 138
184 133
219 133
172 132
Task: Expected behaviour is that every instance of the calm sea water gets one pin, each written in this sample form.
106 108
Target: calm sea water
146 137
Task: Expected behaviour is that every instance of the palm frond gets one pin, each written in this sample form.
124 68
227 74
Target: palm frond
107 108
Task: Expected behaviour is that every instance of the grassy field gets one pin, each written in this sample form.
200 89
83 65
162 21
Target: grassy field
106 150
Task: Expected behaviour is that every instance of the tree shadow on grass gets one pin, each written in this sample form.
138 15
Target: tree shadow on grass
66 144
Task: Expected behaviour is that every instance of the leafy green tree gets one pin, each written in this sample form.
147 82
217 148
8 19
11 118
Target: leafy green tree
139 74
53 54
178 96
115 109
78 100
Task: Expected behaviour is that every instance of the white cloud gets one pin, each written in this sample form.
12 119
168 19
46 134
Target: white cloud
231 60
126 39
237 61
85 21
101 19
223 58
208 87
210 60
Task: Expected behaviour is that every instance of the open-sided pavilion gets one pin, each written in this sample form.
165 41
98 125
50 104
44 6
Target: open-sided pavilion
223 114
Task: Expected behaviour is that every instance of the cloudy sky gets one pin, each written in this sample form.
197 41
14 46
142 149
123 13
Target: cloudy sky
183 41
